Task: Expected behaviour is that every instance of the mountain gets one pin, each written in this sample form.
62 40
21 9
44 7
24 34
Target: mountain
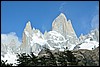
89 41
64 27
95 34
34 40
27 34
61 36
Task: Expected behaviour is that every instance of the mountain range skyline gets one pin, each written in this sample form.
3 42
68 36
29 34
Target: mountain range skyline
61 37
41 15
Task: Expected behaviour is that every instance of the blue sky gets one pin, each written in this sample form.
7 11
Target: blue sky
14 15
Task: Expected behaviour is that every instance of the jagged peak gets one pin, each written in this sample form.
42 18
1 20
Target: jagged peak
28 23
62 15
28 26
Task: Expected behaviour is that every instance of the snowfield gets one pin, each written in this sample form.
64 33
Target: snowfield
90 45
11 58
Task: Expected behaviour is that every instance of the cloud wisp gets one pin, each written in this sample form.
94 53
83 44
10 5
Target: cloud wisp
95 19
10 37
95 22
62 7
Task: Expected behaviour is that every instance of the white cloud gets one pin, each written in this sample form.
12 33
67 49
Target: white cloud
95 19
7 38
95 22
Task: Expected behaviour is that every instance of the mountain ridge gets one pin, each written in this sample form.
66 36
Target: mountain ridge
61 36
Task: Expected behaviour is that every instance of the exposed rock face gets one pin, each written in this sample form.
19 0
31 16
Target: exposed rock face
59 24
84 57
28 27
95 34
25 47
64 27
32 40
87 57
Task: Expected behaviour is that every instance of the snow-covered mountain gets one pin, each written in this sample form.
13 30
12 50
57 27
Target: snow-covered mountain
35 41
10 57
65 28
89 41
61 36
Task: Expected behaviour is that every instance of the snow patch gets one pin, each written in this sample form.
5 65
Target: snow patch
11 58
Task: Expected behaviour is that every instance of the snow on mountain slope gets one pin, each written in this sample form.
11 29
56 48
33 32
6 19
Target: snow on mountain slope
52 41
56 40
37 39
72 46
35 42
10 57
89 44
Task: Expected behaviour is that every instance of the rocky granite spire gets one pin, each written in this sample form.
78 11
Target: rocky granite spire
64 27
27 33
59 24
28 27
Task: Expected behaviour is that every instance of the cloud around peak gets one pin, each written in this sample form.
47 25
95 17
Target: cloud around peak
8 38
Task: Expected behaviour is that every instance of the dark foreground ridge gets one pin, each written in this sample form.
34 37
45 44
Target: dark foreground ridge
82 57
